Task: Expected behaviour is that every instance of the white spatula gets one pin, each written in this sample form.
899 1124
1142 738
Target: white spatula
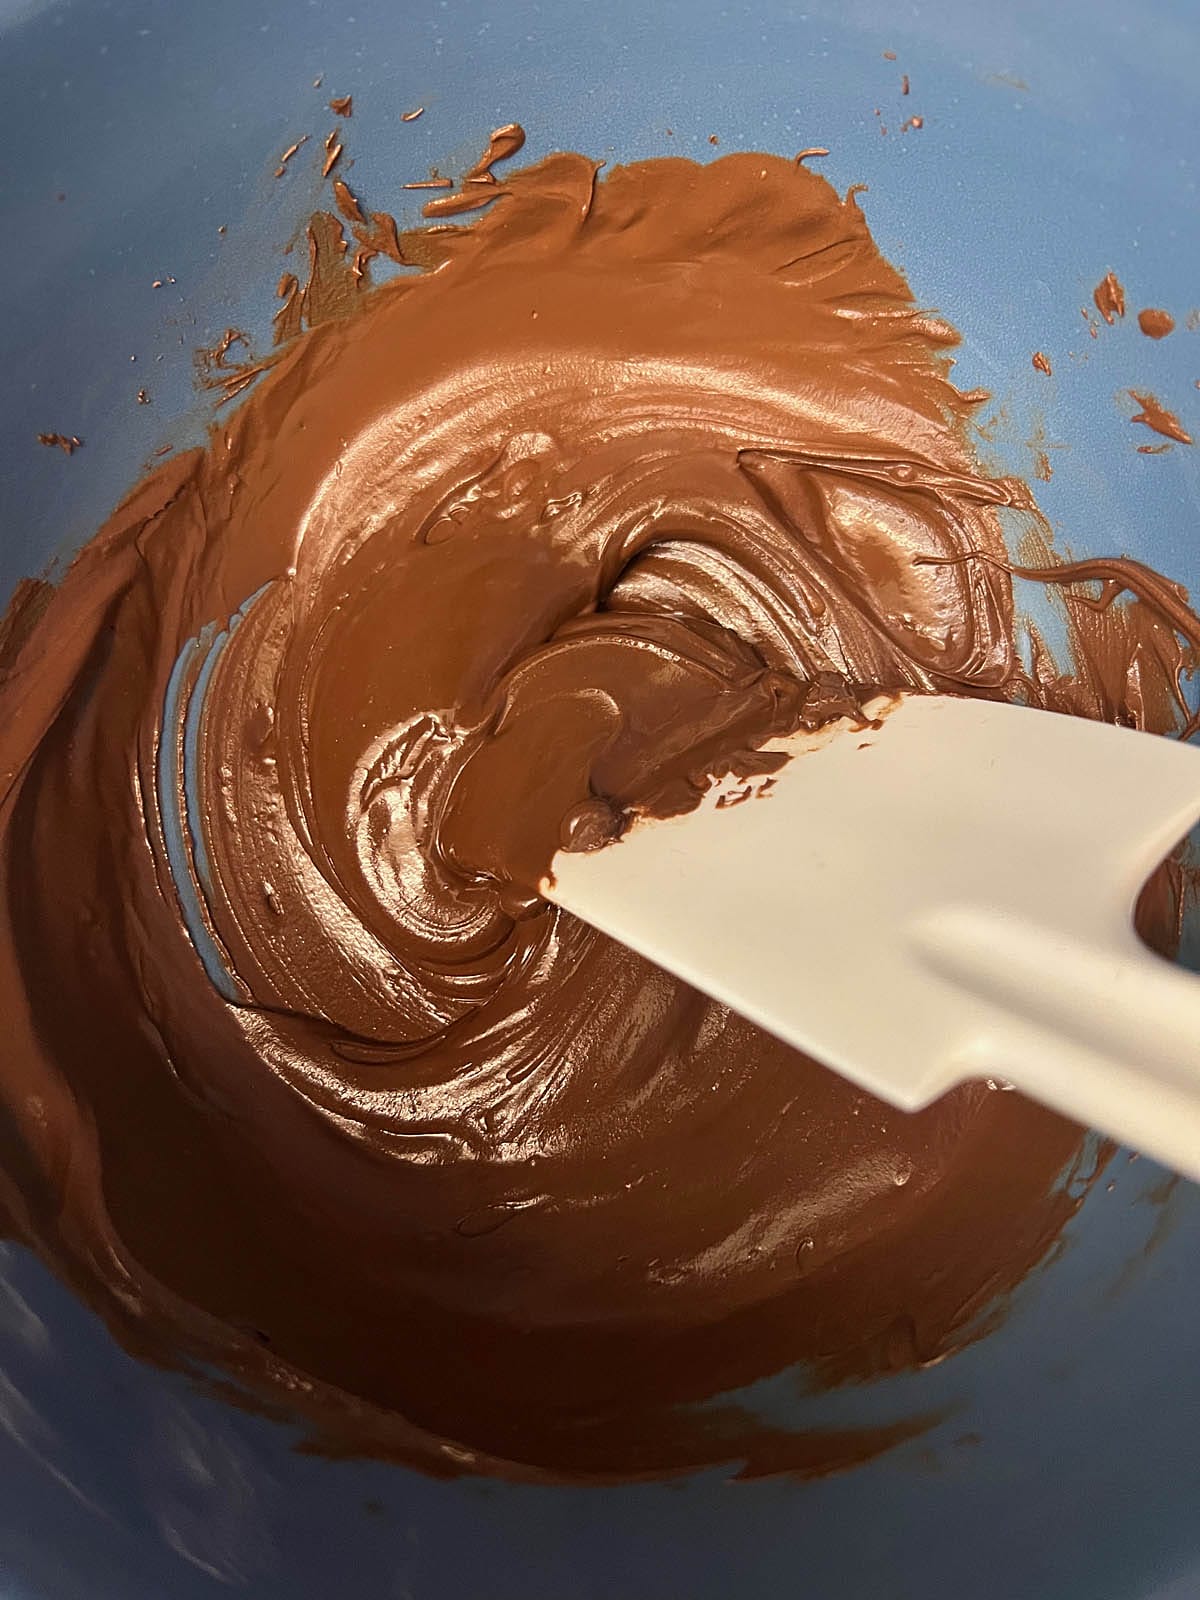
947 896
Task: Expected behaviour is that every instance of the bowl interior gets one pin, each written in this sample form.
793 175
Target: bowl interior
1054 145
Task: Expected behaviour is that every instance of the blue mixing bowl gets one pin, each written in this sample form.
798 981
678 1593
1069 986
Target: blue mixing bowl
1057 142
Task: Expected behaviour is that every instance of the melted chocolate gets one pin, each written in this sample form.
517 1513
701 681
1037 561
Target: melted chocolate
301 1079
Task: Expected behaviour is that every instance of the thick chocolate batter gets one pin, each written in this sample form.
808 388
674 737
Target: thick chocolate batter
300 1078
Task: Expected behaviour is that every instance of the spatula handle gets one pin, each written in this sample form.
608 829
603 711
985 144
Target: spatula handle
1106 1032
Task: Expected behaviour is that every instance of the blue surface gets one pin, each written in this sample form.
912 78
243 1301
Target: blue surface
160 122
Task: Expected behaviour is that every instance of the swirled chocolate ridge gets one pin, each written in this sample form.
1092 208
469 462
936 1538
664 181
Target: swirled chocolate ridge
300 1076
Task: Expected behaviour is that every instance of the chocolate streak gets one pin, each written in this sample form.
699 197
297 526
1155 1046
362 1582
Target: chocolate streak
300 1077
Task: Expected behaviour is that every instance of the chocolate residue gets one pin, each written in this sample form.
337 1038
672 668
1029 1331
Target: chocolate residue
904 84
301 1079
1042 362
812 150
219 354
411 116
480 185
328 292
342 105
1155 415
1007 80
289 153
68 443
1109 297
911 122
333 152
214 369
1135 657
375 235
1040 446
1156 324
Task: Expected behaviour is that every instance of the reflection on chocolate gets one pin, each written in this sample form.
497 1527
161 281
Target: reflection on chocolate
301 1079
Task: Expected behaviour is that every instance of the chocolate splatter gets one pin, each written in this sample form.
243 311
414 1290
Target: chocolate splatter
301 1080
68 443
287 155
1109 297
1156 324
1155 415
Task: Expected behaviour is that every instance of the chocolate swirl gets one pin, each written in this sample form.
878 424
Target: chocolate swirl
303 1077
